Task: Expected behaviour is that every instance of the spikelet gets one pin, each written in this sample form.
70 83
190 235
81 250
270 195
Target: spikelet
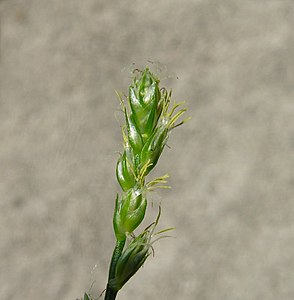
149 118
148 123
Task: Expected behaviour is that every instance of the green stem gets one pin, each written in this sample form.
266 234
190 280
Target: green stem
110 292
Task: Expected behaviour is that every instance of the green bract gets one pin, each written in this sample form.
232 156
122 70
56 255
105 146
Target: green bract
129 212
153 148
144 97
124 173
131 259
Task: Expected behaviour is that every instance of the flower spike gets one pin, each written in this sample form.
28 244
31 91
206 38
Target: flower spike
149 118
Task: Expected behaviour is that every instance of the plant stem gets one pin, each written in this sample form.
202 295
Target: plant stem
110 292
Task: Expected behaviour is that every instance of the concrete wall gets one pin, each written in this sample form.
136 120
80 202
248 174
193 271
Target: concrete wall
231 166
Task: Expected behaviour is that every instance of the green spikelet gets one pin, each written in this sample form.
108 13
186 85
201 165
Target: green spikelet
148 123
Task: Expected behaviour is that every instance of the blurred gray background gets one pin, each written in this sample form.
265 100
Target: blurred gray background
231 166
